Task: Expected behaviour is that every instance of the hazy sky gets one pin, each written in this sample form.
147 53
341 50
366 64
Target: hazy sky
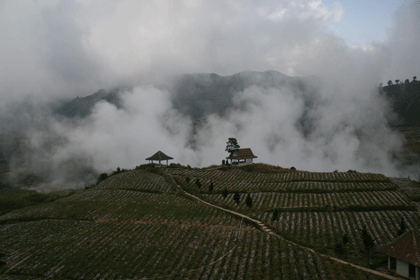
69 48
63 49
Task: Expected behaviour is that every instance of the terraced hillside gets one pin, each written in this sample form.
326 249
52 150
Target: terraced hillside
136 225
313 209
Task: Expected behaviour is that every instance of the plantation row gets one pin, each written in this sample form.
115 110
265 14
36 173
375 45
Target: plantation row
266 185
267 201
325 229
138 180
236 175
118 205
86 250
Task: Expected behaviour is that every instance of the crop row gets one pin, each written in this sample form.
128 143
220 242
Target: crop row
325 229
263 184
139 180
267 201
86 250
237 175
119 205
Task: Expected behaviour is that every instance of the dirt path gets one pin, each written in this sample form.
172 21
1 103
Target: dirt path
264 228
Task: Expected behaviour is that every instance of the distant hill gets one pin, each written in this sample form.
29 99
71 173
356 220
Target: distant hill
405 100
198 95
82 107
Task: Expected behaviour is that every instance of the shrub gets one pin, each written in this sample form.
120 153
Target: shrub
275 216
403 227
293 168
236 197
345 239
197 182
101 177
211 187
187 179
225 192
248 201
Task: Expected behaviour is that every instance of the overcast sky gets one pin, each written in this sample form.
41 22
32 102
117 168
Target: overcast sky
70 48
62 49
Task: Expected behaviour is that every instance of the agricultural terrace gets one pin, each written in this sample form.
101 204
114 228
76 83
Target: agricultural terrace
123 229
313 209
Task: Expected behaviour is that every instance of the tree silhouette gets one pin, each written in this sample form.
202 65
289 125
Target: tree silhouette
236 197
197 182
211 187
403 227
248 201
345 239
187 179
407 81
225 192
231 145
389 83
414 78
368 241
275 216
397 81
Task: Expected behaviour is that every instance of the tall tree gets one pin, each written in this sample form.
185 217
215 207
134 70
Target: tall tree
389 83
368 241
231 145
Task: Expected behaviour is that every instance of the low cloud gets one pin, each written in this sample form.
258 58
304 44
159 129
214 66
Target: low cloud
65 49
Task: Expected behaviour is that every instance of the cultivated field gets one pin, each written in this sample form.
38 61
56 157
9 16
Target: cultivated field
314 209
136 225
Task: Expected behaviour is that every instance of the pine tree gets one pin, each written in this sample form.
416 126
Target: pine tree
225 192
236 197
248 201
211 187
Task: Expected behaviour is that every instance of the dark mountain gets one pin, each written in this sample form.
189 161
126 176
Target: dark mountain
198 95
82 107
405 100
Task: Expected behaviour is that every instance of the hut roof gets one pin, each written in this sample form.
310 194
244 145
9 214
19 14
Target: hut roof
242 154
406 248
159 156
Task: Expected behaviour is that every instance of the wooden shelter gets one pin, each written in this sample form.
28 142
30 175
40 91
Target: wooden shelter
404 254
159 156
241 156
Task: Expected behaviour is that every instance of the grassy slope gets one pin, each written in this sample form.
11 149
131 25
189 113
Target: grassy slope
119 230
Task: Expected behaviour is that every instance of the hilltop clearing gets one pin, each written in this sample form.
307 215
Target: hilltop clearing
137 224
